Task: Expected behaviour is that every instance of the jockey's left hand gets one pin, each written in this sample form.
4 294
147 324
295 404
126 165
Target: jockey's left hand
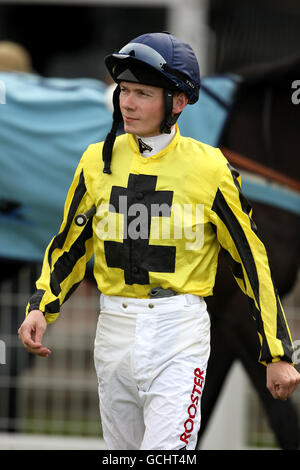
282 379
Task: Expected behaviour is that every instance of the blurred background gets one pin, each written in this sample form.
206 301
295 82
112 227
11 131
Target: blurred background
63 44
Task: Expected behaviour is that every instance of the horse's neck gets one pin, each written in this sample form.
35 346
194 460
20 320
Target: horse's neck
264 127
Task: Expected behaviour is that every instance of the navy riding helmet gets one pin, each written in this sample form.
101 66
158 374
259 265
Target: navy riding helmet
157 59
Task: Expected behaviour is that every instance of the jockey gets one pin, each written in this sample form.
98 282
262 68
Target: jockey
154 208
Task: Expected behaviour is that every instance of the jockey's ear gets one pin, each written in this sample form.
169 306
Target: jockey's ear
180 100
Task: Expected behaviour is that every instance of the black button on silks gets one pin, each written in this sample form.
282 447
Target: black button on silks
135 269
139 196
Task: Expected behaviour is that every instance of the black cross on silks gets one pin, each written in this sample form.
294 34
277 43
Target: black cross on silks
135 256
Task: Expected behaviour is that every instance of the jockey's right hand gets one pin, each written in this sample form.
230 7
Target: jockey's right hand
31 333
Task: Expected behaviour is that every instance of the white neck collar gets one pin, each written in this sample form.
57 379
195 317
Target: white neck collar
149 146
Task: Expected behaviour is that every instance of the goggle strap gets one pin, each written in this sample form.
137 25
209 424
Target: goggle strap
179 75
111 136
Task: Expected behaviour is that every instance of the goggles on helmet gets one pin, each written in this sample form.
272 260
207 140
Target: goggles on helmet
143 53
147 55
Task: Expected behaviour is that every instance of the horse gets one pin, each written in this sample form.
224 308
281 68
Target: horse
260 139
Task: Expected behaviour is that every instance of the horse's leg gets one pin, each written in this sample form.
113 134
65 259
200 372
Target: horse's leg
282 415
221 356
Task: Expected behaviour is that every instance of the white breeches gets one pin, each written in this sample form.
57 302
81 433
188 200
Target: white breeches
151 358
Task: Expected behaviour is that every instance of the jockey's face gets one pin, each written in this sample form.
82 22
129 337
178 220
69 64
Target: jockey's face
142 108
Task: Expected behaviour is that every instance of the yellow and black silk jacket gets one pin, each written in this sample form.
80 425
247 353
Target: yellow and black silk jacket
199 207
